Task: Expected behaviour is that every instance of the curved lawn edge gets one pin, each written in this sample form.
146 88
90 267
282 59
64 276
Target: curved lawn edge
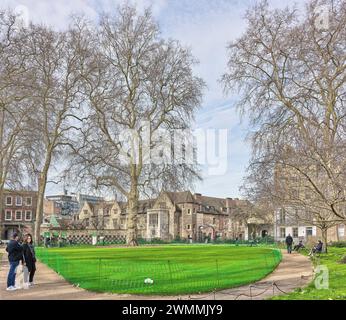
227 279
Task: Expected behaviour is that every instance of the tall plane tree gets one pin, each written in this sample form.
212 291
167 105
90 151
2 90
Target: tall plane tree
290 70
14 104
137 84
54 87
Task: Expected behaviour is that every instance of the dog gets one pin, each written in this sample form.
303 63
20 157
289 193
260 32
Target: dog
22 277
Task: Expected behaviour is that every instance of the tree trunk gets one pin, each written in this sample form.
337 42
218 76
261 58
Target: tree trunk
1 213
40 200
131 239
325 240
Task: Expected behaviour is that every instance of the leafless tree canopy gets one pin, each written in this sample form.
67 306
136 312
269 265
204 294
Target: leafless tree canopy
290 72
136 85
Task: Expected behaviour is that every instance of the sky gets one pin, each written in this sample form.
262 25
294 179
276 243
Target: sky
206 27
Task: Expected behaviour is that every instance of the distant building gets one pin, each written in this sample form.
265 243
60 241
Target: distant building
18 214
297 192
69 205
172 215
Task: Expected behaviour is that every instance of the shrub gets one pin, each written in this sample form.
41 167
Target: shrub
340 244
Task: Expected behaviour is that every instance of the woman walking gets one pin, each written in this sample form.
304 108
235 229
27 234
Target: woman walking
29 257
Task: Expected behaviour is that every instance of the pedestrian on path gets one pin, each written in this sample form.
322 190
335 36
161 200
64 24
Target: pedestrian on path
29 258
15 255
289 243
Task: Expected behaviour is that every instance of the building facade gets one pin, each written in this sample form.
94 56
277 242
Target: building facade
70 204
18 213
173 215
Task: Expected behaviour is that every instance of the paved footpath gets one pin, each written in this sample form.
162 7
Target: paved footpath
295 271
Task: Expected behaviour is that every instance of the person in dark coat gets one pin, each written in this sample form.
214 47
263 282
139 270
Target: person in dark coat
29 257
299 246
317 249
289 243
15 256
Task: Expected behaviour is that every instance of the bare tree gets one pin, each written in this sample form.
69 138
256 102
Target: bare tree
14 104
291 73
54 87
137 84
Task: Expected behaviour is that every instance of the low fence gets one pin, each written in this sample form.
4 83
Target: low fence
158 277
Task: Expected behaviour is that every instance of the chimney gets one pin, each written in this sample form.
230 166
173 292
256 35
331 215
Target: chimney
229 202
198 196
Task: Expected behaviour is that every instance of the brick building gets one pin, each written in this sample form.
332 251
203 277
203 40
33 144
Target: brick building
18 212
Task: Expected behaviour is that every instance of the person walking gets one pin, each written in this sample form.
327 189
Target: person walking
289 243
15 255
29 258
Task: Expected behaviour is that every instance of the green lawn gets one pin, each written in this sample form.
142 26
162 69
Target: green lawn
337 280
174 269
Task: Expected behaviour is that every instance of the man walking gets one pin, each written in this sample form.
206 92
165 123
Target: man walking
289 243
15 255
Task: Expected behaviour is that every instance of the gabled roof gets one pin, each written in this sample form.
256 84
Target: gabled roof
181 197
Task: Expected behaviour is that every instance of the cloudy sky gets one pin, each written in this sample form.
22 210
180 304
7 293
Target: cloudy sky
206 26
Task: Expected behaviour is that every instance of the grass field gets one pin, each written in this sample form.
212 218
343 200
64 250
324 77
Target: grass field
174 269
337 280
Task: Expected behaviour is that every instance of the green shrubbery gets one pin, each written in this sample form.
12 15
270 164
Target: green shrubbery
340 244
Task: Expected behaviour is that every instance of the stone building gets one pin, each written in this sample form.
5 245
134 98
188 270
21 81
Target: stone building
293 216
171 216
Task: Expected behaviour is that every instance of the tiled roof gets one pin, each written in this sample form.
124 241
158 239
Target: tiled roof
181 197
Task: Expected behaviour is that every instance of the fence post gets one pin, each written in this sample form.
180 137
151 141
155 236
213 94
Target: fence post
217 273
266 260
170 272
99 273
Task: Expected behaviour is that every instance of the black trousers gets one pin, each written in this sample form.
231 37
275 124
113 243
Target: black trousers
32 273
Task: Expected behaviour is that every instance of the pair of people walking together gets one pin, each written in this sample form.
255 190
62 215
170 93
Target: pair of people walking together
24 254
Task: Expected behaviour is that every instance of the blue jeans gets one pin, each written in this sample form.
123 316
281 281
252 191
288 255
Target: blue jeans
289 248
11 274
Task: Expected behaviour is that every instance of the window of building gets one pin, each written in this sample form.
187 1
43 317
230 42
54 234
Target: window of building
188 227
341 230
28 215
19 215
115 211
214 220
163 205
115 223
282 216
309 231
19 201
295 233
194 210
282 232
188 211
8 215
8 201
28 201
153 219
123 221
87 222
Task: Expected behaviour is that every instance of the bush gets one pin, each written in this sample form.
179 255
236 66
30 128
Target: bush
179 240
142 241
340 244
